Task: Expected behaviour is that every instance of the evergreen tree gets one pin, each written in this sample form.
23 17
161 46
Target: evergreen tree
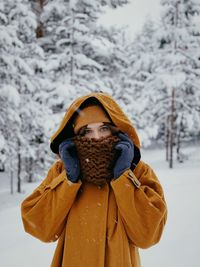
19 59
177 72
49 54
73 46
13 72
138 77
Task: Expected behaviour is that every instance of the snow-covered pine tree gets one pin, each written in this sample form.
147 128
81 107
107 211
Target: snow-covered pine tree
12 67
95 48
39 79
178 70
73 50
34 111
138 76
9 127
72 47
19 52
111 54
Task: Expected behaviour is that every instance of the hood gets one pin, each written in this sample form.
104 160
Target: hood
116 114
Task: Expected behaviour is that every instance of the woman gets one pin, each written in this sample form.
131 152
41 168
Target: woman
99 200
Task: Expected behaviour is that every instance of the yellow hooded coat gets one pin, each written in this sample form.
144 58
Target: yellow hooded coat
97 226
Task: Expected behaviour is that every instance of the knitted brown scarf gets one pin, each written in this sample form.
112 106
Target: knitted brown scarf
97 158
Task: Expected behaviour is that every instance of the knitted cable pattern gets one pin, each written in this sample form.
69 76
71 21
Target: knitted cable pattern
97 158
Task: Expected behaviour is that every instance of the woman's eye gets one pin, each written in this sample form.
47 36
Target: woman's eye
84 131
87 131
105 128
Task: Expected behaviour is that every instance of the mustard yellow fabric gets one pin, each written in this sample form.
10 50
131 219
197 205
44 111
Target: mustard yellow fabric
91 114
97 226
114 111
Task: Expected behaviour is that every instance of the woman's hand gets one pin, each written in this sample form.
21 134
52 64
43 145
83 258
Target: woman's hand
126 149
67 151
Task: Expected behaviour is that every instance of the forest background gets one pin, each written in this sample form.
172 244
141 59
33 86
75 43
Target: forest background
53 51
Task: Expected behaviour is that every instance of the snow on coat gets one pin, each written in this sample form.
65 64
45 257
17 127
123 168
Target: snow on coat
97 226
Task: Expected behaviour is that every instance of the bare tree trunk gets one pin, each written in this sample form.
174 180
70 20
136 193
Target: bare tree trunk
178 144
30 170
19 167
172 117
172 133
38 8
11 178
2 167
178 148
40 30
167 135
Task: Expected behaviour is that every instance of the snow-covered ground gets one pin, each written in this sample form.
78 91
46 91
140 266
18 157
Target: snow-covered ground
179 246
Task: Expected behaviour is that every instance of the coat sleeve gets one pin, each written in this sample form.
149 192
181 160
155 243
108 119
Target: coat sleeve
44 212
141 205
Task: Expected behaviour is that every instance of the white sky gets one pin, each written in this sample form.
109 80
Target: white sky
133 14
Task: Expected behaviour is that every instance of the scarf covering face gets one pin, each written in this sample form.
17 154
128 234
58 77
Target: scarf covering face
97 158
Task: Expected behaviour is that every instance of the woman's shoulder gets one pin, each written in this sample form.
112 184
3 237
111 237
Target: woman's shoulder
142 167
57 166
